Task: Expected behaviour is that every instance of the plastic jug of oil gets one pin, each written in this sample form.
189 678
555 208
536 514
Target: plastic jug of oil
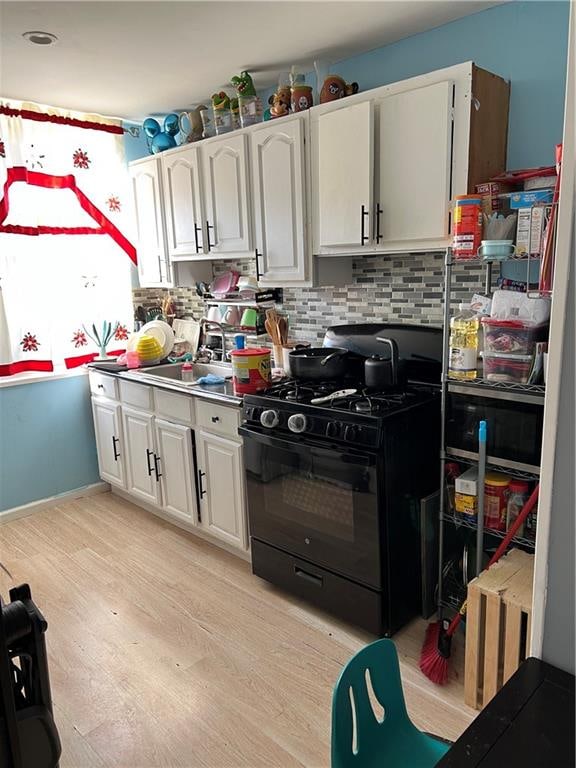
463 344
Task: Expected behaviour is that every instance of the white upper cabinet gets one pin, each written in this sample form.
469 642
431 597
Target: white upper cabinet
183 202
279 200
342 175
153 265
413 164
386 163
225 177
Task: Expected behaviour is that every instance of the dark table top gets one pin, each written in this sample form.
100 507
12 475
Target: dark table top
529 723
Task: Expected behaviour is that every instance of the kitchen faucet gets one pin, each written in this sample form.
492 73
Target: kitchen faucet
204 323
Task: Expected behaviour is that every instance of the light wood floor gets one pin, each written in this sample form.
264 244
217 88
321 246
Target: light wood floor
165 651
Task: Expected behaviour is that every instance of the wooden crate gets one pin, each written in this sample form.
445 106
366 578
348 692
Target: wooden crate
498 617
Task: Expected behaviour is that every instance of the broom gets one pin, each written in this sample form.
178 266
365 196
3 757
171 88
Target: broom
438 641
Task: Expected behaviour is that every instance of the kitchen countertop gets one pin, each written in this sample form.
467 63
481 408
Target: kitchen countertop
223 393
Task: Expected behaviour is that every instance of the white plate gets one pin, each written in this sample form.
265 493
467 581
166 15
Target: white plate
132 341
163 334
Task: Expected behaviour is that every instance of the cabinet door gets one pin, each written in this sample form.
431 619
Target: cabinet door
153 268
108 430
221 488
343 175
414 158
224 170
278 178
176 468
142 480
182 202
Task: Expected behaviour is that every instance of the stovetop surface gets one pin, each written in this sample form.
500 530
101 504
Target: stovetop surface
286 409
361 401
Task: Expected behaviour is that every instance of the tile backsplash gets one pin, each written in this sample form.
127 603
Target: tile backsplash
399 288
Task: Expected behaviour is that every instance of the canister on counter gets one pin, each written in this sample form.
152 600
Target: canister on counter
496 488
250 370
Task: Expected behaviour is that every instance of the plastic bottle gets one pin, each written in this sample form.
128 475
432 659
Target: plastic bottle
464 344
187 372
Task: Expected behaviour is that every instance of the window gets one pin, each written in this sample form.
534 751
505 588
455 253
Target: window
65 260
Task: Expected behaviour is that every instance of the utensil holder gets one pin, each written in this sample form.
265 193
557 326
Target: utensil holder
278 356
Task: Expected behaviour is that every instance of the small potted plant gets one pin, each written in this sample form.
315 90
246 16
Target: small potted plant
103 339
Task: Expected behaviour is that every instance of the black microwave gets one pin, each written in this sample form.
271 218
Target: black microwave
514 425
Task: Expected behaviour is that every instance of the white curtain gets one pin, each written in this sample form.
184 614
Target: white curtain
72 182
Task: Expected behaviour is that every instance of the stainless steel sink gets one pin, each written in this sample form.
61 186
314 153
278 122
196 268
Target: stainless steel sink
173 372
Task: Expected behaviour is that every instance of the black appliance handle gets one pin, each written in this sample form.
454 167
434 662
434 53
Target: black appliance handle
116 453
200 476
257 255
208 228
379 211
148 454
393 357
318 581
337 353
196 243
363 214
306 446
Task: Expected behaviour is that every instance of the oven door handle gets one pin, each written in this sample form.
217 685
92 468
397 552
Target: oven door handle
307 446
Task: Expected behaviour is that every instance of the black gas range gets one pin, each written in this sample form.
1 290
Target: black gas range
335 474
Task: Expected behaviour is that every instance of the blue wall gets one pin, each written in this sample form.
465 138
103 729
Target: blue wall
47 443
135 147
524 42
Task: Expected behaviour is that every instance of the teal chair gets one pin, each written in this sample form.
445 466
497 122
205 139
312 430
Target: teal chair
366 735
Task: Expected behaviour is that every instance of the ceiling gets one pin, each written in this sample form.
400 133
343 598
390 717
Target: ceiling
133 59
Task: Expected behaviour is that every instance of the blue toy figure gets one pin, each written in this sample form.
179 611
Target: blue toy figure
158 139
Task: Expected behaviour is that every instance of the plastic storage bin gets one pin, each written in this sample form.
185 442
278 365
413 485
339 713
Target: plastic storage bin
502 367
515 337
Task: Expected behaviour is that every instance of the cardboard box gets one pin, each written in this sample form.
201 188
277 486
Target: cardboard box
490 191
530 229
465 505
467 482
534 197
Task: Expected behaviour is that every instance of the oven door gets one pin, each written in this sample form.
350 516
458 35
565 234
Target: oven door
317 502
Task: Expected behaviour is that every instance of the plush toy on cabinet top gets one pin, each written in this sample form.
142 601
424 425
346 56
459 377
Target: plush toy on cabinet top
335 87
280 102
249 103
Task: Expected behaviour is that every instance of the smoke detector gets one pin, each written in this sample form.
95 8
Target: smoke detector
40 38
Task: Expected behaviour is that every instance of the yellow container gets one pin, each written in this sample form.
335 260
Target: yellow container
495 500
148 349
465 504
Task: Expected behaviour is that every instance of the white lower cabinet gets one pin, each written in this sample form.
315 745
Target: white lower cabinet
141 460
175 464
221 488
145 444
109 444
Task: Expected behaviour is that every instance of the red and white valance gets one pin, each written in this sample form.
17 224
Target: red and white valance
66 231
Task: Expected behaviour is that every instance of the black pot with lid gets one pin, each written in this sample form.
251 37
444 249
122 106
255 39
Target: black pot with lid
382 372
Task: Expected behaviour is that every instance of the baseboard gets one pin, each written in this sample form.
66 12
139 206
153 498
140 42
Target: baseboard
52 501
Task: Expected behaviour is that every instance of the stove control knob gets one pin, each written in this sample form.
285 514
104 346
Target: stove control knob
269 419
297 423
350 433
333 429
